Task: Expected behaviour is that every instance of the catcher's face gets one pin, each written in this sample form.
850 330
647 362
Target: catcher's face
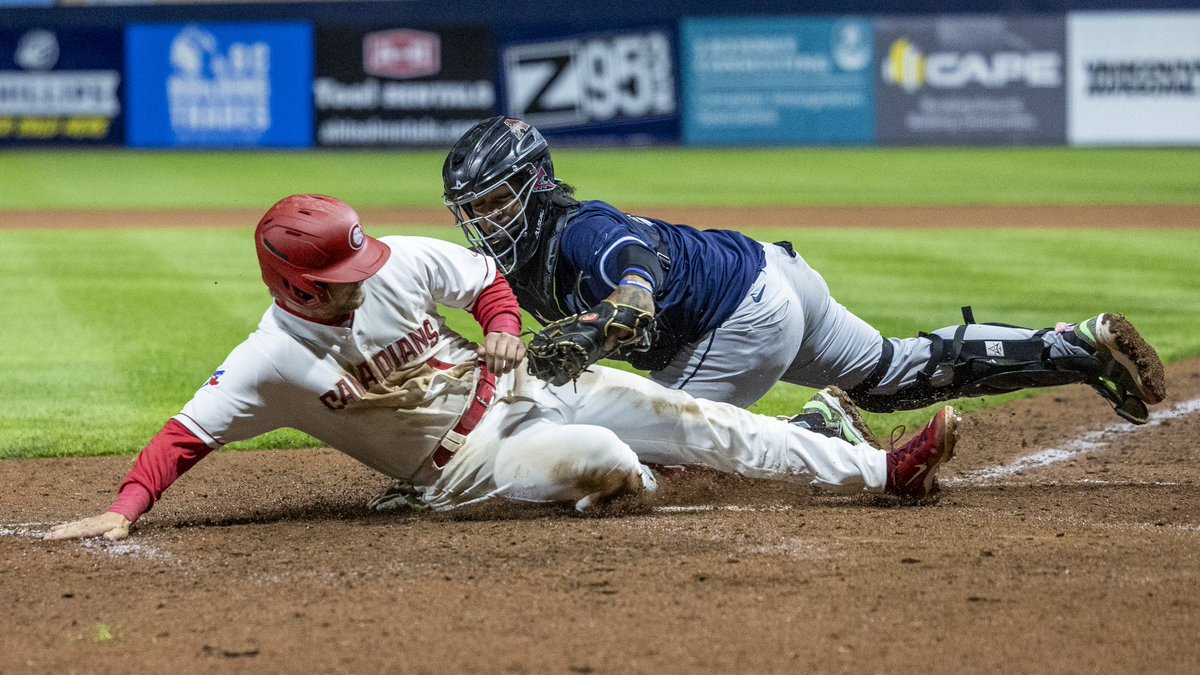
495 220
498 209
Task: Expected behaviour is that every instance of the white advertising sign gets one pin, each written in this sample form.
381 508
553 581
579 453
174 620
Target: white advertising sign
1134 78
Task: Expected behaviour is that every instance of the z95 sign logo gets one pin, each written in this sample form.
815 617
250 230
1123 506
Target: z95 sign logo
578 81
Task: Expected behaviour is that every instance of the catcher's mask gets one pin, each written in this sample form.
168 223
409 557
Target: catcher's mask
306 241
497 181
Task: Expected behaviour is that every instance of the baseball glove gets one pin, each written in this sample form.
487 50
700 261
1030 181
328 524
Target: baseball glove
562 350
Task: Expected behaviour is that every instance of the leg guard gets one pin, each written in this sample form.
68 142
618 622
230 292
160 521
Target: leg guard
994 359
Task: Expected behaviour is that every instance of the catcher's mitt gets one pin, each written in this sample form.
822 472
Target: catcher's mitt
562 350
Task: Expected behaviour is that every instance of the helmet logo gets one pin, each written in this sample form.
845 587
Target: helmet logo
357 238
460 184
542 182
517 127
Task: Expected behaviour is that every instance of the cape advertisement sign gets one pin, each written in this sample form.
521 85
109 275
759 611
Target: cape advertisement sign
392 86
61 87
971 80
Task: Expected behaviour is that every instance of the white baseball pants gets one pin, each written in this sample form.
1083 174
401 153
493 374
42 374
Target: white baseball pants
544 443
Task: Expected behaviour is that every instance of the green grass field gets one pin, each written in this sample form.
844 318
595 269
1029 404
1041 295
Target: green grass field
876 176
108 332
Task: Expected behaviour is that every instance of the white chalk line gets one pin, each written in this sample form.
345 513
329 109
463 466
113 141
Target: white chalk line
705 508
1078 447
96 544
23 530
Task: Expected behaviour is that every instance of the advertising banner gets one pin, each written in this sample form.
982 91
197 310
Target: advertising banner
1134 78
971 80
776 81
620 85
394 86
61 87
219 85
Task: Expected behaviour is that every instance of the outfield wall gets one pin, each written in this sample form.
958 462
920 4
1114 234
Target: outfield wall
370 75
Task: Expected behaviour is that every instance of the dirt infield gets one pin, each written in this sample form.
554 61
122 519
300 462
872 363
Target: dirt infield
1064 541
1081 560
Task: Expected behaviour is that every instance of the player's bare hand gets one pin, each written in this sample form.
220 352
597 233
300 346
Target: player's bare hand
109 525
634 296
501 352
616 336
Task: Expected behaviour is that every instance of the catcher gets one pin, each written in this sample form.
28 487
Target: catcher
733 316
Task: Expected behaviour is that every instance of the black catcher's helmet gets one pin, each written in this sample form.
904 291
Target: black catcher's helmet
498 178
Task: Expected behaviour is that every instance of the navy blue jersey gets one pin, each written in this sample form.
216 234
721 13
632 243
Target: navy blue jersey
709 274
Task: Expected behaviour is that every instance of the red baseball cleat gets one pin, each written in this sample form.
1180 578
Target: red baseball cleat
912 468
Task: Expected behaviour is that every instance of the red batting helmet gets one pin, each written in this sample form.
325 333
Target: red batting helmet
304 240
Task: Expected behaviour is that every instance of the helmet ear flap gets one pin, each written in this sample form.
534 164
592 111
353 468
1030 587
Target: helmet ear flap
305 298
281 287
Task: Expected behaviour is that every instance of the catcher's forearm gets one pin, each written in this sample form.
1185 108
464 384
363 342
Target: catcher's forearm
634 293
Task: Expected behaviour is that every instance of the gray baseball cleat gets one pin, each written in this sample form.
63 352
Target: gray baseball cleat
830 412
398 495
1131 374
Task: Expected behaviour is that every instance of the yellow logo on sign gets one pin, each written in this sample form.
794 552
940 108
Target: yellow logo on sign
905 65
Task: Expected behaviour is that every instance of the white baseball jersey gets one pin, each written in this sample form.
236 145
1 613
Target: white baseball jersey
343 385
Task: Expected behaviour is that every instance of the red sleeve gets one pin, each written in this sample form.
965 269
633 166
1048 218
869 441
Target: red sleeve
496 308
171 452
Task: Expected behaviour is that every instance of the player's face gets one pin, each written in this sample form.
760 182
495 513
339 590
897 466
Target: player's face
499 208
343 299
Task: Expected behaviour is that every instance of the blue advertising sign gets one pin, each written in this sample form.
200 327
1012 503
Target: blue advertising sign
220 85
777 81
61 86
616 86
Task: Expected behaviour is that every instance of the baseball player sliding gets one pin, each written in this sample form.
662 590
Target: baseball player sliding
354 352
725 317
